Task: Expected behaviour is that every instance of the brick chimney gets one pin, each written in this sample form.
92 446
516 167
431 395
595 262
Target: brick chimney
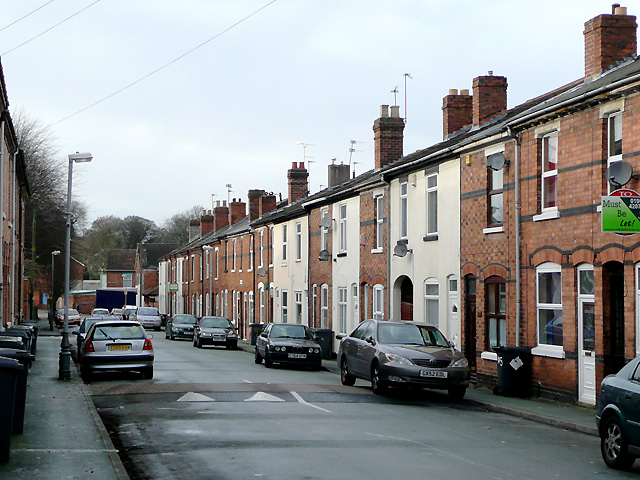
489 98
237 211
388 134
220 215
194 229
338 174
298 179
266 204
457 112
609 39
254 203
206 222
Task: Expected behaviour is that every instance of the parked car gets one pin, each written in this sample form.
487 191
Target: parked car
215 331
180 326
618 416
81 332
147 316
128 310
116 312
98 312
116 345
402 354
72 319
288 343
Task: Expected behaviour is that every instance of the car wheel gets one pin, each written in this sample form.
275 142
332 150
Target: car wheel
377 385
613 446
345 377
147 373
256 357
199 342
194 341
85 374
456 393
267 360
166 334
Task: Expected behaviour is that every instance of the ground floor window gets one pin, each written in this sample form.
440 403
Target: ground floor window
549 304
496 301
431 303
342 309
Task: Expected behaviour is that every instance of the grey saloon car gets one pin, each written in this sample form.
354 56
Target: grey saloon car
121 345
402 354
618 416
215 331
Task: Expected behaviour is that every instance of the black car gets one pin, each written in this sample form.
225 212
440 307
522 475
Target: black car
215 331
288 343
618 416
402 354
180 326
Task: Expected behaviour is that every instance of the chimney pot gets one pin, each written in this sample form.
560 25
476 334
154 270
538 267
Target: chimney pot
620 11
301 165
395 111
384 111
453 91
294 164
464 91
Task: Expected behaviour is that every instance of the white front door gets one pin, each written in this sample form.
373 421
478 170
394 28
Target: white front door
586 352
452 310
586 336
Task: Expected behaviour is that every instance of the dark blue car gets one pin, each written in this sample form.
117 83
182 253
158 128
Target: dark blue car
618 417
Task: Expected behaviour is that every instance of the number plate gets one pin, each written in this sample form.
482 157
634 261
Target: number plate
297 355
432 373
118 347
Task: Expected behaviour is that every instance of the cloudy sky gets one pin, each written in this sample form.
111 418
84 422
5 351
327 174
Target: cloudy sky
235 110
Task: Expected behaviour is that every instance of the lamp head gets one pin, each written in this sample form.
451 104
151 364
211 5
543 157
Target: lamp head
55 252
81 157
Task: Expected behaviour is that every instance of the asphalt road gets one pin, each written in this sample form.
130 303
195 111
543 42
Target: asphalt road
214 414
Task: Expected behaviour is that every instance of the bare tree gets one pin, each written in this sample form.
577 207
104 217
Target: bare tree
176 228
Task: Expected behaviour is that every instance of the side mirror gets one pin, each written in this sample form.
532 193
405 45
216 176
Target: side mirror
263 334
340 336
150 336
452 344
370 340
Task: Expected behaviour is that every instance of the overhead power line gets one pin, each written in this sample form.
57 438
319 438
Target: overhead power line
25 16
126 87
50 28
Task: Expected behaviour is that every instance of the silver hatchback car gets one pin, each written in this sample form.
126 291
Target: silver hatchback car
116 345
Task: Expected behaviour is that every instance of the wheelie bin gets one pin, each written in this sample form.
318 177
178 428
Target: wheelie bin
25 359
324 337
34 338
256 330
9 371
514 372
11 340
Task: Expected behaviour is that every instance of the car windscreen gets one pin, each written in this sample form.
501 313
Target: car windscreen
215 323
185 319
289 331
147 311
87 323
397 334
117 332
72 311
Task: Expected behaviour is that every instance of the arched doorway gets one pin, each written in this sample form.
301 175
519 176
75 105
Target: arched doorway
613 316
469 333
406 299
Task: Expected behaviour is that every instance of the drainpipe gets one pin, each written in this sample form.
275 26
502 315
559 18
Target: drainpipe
13 237
389 291
516 162
2 126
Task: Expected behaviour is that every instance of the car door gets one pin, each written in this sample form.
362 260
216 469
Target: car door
262 340
632 407
366 350
352 349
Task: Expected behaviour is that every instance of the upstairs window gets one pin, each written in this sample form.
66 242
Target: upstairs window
495 197
549 171
284 243
298 241
614 142
404 210
432 204
343 228
261 248
324 232
235 255
379 222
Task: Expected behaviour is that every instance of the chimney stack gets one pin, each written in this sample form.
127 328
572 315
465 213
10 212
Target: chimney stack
220 215
194 229
338 174
266 204
489 98
609 39
206 222
237 211
457 112
388 134
298 179
254 200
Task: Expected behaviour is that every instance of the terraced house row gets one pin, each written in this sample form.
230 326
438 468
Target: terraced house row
494 234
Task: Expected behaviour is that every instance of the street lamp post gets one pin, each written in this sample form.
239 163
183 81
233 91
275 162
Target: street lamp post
52 306
64 365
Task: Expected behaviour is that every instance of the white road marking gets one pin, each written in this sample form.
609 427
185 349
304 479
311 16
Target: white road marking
247 381
304 402
195 397
263 397
62 450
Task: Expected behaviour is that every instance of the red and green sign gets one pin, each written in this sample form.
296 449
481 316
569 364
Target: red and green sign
621 212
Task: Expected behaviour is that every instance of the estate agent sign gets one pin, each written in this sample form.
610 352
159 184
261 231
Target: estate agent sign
621 212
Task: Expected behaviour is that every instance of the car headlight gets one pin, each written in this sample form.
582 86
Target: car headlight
392 357
462 363
231 335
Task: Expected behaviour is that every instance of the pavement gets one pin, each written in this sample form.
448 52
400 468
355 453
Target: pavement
64 437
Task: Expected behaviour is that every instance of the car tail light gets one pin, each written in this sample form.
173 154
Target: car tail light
88 346
147 344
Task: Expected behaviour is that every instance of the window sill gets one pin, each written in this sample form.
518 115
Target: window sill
341 254
547 215
552 351
430 238
377 250
493 356
490 230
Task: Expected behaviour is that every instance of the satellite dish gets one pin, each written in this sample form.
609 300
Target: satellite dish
497 161
325 222
262 271
619 173
400 250
324 255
